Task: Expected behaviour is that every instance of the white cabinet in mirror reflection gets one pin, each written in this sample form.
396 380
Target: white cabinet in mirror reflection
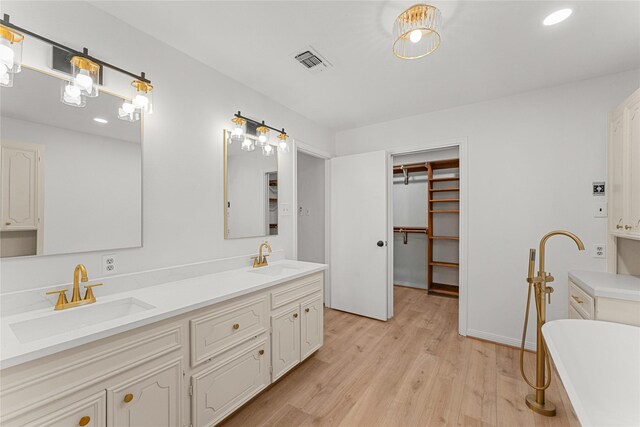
86 190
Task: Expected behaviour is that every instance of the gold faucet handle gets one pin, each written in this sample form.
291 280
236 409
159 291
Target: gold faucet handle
89 294
62 298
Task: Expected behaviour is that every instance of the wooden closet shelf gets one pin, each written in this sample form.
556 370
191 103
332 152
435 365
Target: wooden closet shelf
413 167
444 264
452 178
440 190
444 289
443 200
445 211
444 238
445 164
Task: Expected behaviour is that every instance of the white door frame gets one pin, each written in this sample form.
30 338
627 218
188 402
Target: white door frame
320 154
461 143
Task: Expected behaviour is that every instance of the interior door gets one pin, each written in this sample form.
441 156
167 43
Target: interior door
359 217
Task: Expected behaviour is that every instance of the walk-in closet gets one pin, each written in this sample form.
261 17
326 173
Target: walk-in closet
426 212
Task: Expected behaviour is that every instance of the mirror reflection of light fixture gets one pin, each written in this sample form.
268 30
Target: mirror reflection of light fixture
283 144
262 132
248 145
238 132
142 97
416 32
268 150
10 55
128 112
72 95
86 74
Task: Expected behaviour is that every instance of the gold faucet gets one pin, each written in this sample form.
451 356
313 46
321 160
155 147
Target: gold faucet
536 402
89 297
261 260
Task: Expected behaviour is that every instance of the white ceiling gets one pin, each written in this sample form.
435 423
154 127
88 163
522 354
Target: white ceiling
489 50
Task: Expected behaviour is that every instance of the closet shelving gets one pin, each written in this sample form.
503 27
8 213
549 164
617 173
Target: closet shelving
441 171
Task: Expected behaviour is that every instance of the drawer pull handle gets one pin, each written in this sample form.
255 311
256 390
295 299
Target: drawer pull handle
128 397
295 315
84 421
578 300
306 310
261 352
7 223
236 326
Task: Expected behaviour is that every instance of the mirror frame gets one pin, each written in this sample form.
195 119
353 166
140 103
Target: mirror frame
63 77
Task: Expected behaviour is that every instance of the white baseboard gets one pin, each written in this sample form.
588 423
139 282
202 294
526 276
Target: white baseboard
410 285
501 339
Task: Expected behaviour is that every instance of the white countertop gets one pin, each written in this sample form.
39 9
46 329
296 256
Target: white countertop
598 364
609 285
168 300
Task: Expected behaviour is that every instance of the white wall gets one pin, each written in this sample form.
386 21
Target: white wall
182 149
532 158
92 187
311 197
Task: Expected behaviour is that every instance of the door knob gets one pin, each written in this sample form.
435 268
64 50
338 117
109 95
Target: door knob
84 421
380 243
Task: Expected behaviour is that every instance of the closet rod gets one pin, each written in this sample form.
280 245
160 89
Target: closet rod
406 230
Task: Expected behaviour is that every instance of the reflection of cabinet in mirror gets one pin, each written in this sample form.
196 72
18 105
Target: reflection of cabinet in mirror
272 193
22 199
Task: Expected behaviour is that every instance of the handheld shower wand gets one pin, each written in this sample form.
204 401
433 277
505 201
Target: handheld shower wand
536 401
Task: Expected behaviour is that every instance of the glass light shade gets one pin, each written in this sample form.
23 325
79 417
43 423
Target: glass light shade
262 132
416 31
72 95
248 145
128 112
238 132
268 150
283 144
10 55
142 97
86 75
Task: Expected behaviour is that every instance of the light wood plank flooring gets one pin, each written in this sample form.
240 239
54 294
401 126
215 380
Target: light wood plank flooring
414 370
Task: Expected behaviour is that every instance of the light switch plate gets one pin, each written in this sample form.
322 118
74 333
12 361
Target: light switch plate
307 211
285 209
599 210
599 250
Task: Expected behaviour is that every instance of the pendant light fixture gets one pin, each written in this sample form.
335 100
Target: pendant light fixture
239 130
416 32
262 132
283 144
142 98
10 55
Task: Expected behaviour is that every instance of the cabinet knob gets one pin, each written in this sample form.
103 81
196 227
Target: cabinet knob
261 352
295 315
7 223
628 227
84 421
306 310
236 326
128 397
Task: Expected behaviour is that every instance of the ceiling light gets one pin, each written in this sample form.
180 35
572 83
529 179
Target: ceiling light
557 17
142 96
416 32
100 120
263 135
237 134
86 75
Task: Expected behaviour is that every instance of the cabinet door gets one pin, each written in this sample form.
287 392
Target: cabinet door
633 179
151 399
87 412
19 187
311 326
616 174
285 340
223 388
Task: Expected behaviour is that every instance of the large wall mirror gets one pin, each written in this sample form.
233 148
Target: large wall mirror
251 191
71 177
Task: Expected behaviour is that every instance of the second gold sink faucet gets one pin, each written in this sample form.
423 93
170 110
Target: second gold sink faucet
261 260
89 298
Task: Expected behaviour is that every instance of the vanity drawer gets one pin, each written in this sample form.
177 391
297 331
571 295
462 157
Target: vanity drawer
296 289
581 301
574 314
227 327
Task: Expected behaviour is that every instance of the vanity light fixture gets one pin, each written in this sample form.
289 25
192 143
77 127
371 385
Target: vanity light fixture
238 132
142 98
128 112
86 74
263 135
417 32
248 145
10 55
268 150
557 17
71 94
283 144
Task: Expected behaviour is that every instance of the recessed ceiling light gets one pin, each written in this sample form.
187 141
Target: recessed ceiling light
557 17
99 120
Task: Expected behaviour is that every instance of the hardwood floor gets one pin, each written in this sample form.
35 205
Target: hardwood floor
414 370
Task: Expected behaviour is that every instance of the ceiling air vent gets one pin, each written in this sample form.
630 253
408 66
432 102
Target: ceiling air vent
311 60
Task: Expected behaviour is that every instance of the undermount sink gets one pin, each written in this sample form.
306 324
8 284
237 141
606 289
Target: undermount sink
275 270
60 322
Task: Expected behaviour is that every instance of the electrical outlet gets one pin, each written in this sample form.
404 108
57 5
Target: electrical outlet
109 264
599 250
600 210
